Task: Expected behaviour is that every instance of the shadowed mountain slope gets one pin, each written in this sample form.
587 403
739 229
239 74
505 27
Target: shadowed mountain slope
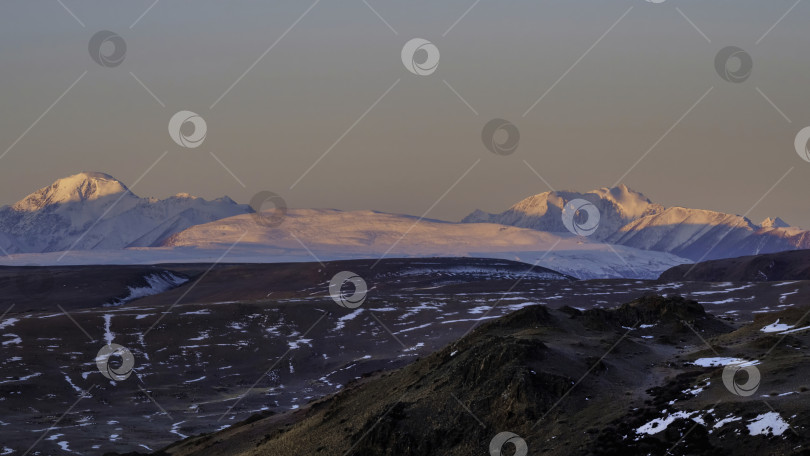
566 381
791 265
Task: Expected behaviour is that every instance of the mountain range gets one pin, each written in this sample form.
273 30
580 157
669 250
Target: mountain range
92 218
93 210
629 218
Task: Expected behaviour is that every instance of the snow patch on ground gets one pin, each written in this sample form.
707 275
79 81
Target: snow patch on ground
297 343
659 424
803 328
723 361
108 334
776 327
156 283
770 423
342 320
8 322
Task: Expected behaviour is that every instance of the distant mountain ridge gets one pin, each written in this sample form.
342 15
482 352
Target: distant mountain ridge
331 234
629 218
636 237
96 211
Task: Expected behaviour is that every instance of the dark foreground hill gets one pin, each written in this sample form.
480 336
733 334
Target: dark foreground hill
791 265
643 378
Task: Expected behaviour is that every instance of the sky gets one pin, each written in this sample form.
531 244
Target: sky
311 100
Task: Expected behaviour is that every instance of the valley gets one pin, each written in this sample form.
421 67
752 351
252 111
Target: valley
231 341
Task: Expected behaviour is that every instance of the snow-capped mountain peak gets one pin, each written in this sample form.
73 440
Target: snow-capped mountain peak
85 186
629 218
93 210
617 206
630 203
774 223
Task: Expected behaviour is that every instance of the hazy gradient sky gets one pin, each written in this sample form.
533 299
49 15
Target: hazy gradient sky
420 138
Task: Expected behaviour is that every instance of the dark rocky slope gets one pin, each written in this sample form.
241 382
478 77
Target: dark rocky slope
566 381
790 265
